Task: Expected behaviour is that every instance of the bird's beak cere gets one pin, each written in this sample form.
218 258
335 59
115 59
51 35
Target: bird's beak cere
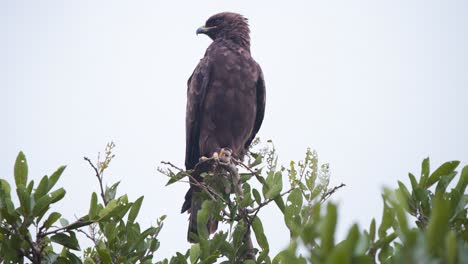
204 29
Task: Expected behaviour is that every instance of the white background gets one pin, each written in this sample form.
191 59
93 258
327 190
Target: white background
373 86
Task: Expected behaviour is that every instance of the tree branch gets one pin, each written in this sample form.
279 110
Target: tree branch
327 194
99 177
67 227
207 189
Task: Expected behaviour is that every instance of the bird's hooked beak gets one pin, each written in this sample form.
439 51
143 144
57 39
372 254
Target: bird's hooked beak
204 29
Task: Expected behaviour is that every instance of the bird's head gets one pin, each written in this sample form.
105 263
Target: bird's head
227 25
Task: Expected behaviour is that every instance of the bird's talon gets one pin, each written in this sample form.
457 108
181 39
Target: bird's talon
225 155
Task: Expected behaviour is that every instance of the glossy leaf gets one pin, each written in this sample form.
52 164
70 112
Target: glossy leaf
443 170
53 217
21 169
93 206
135 210
259 233
65 240
438 223
42 188
55 177
194 253
328 229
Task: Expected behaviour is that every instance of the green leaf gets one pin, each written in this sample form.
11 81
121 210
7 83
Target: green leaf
21 170
280 203
142 237
238 234
30 187
93 206
425 170
296 199
342 253
444 182
57 195
438 223
451 248
104 256
67 241
443 170
247 199
55 177
106 213
387 220
404 190
64 222
5 191
423 196
372 230
194 253
176 177
7 209
408 199
463 181
41 189
72 258
292 212
259 233
413 181
258 160
275 185
53 217
42 204
25 200
203 216
109 194
328 229
257 196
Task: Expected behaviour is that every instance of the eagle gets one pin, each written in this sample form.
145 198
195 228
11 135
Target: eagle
225 101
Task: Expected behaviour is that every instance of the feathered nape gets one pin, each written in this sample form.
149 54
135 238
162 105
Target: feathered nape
241 32
236 29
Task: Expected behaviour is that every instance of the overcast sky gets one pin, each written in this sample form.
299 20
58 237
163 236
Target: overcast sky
373 86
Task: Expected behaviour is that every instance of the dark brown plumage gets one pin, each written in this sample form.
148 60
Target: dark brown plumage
225 99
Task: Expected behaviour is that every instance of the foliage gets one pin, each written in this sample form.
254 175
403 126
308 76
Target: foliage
439 233
29 230
422 222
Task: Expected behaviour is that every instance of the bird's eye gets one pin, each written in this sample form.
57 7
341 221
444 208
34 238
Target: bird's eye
214 22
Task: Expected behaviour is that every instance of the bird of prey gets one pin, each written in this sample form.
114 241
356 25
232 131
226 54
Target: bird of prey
225 100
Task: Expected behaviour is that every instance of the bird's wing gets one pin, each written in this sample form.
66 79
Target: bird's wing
261 100
197 86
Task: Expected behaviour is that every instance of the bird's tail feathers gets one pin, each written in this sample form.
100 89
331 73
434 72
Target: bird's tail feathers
212 224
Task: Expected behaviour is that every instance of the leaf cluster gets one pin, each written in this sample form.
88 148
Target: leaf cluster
424 221
29 230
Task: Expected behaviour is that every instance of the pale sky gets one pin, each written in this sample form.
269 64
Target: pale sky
373 86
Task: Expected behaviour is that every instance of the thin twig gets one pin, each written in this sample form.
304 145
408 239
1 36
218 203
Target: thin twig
207 189
327 194
267 201
85 223
99 177
88 236
197 183
246 167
